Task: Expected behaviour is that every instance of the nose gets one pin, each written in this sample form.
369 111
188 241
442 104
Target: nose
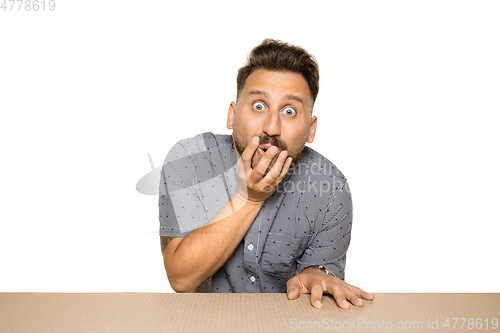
272 124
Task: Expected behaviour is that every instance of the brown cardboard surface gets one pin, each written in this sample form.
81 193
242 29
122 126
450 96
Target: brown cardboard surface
149 312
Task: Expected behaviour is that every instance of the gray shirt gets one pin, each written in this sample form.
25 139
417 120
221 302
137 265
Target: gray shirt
306 221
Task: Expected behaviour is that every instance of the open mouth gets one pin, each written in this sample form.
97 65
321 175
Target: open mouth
263 148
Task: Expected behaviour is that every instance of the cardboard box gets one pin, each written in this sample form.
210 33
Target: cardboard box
148 312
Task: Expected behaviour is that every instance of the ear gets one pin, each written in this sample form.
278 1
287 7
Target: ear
230 115
312 129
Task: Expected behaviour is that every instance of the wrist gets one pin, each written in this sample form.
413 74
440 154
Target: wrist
321 268
239 199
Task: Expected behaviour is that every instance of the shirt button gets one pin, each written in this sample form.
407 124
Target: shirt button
250 247
252 278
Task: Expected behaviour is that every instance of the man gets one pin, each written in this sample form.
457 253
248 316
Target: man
259 211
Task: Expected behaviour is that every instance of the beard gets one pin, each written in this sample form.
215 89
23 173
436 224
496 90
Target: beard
241 144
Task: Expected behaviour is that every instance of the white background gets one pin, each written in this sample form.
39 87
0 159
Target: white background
407 109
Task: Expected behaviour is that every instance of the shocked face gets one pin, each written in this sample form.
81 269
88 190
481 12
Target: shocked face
277 107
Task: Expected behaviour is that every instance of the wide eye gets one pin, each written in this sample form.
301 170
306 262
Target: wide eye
289 111
259 106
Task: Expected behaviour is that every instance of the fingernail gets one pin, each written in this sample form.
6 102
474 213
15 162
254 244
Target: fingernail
284 154
290 293
345 303
255 139
318 303
273 150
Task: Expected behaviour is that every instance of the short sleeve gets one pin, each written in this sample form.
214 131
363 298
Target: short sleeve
197 179
180 206
332 233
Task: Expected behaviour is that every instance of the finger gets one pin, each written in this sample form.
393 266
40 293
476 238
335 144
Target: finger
361 293
293 288
284 171
271 179
263 166
338 293
277 168
367 296
352 297
317 294
249 151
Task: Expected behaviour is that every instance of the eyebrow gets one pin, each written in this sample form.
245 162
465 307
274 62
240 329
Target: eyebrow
287 96
294 97
258 92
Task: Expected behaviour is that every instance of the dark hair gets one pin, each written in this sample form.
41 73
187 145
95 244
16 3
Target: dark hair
276 55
